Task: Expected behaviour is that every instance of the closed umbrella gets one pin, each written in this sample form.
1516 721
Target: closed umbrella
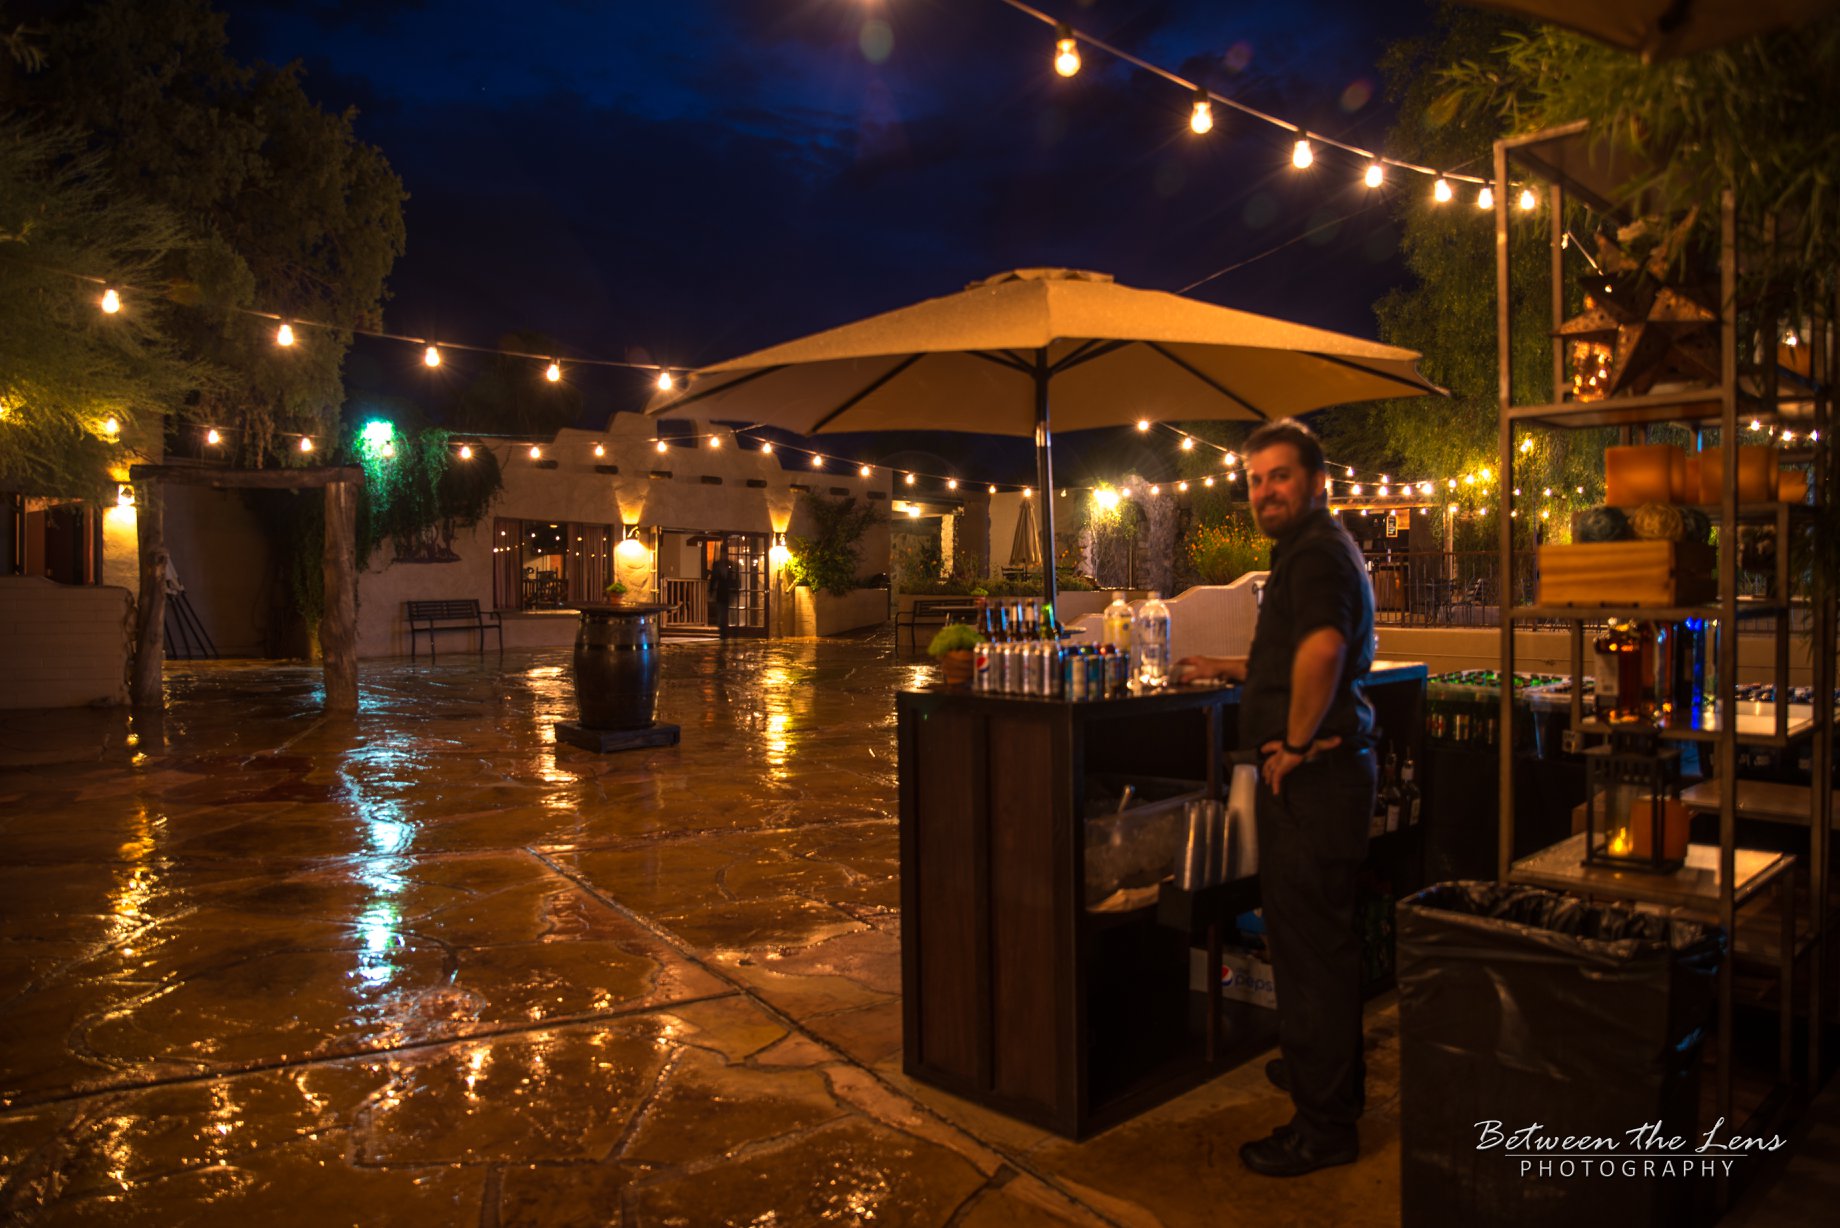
985 361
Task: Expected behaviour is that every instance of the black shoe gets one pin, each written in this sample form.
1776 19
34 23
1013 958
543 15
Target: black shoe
1285 1154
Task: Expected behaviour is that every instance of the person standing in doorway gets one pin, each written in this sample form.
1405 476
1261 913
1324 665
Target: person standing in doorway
722 577
1304 710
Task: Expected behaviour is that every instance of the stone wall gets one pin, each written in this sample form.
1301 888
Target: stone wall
63 645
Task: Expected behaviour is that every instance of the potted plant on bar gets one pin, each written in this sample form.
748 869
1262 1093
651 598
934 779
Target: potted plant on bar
616 592
953 646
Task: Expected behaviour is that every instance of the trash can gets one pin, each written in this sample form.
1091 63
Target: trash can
1536 1032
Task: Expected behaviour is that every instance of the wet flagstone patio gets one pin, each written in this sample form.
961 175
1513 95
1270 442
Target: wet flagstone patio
429 967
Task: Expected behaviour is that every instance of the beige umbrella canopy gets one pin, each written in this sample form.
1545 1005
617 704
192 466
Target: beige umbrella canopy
985 359
1663 29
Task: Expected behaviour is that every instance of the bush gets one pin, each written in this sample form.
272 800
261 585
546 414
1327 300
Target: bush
827 560
953 637
1222 553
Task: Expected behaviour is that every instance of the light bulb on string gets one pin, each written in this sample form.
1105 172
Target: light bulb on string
993 489
1028 492
111 301
1182 486
1188 443
1527 444
1201 116
662 446
431 357
212 437
389 449
715 441
767 447
1143 424
1208 482
284 335
1528 201
1383 492
951 483
466 451
1452 483
1375 176
536 453
111 427
817 462
1066 51
306 443
600 449
909 479
1302 155
1440 191
1357 488
865 471
665 382
1485 199
553 373
1156 490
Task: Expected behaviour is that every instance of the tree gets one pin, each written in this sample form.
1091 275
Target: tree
66 368
511 397
285 209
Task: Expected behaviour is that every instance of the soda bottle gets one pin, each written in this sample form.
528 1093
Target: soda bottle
1150 635
1118 624
1409 797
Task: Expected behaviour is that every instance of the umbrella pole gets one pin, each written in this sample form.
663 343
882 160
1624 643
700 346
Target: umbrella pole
1044 475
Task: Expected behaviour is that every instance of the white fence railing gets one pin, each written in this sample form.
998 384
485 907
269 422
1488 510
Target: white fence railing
690 601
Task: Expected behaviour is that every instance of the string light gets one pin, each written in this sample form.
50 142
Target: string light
715 441
951 483
665 382
1528 200
663 446
909 479
1440 191
212 437
993 489
1182 486
1028 492
1188 443
306 443
1485 199
112 427
1208 482
1066 51
1376 175
865 471
431 357
767 447
111 301
817 462
536 453
466 451
284 335
1156 490
1201 118
600 449
1143 424
553 372
388 449
1527 445
1357 488
1301 155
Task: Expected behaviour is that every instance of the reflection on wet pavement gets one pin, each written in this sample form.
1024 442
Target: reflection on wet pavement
428 967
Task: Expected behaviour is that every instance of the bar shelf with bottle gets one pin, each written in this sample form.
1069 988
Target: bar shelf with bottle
1046 949
1699 716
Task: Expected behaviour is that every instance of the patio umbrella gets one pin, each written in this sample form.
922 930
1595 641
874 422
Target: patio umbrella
985 359
1662 29
1025 549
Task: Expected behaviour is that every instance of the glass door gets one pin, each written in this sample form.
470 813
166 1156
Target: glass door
747 601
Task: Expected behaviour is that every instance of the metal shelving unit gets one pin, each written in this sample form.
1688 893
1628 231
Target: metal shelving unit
1719 879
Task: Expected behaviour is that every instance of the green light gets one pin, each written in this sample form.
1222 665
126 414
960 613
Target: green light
377 432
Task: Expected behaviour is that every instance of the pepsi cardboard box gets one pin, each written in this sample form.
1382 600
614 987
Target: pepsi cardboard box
1244 977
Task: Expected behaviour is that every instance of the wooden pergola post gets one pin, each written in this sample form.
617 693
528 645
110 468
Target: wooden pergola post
338 630
338 626
146 687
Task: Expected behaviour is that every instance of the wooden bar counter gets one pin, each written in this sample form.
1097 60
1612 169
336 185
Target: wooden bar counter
1028 988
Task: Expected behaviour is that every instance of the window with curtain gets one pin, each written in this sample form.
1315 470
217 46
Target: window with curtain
550 565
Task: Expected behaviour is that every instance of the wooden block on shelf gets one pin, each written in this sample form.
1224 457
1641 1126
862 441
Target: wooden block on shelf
1633 573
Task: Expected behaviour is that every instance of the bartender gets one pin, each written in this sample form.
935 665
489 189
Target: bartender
1303 708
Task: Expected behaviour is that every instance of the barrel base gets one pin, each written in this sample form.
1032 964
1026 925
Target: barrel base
607 741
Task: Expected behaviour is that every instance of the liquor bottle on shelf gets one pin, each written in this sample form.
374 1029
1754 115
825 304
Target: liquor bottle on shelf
1409 797
1389 793
1151 636
1606 674
981 680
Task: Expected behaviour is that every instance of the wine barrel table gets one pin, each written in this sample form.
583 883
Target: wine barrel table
616 667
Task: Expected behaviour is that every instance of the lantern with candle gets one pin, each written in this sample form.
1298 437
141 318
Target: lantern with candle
1634 818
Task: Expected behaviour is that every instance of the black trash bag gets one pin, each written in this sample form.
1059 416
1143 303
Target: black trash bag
1522 1007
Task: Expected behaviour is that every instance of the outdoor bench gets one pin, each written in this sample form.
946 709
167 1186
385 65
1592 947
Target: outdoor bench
428 617
931 611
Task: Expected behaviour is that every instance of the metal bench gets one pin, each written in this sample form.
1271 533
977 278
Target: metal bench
428 617
931 611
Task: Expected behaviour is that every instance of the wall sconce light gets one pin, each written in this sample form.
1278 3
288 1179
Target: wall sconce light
629 532
778 554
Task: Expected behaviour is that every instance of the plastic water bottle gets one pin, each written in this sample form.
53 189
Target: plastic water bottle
1118 625
1152 639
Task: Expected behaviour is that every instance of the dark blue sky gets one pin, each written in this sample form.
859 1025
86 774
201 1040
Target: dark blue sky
690 180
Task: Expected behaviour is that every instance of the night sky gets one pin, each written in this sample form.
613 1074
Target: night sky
687 181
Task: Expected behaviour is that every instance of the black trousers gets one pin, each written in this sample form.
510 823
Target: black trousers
718 609
1312 840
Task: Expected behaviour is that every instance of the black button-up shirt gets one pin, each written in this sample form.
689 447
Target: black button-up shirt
1318 579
